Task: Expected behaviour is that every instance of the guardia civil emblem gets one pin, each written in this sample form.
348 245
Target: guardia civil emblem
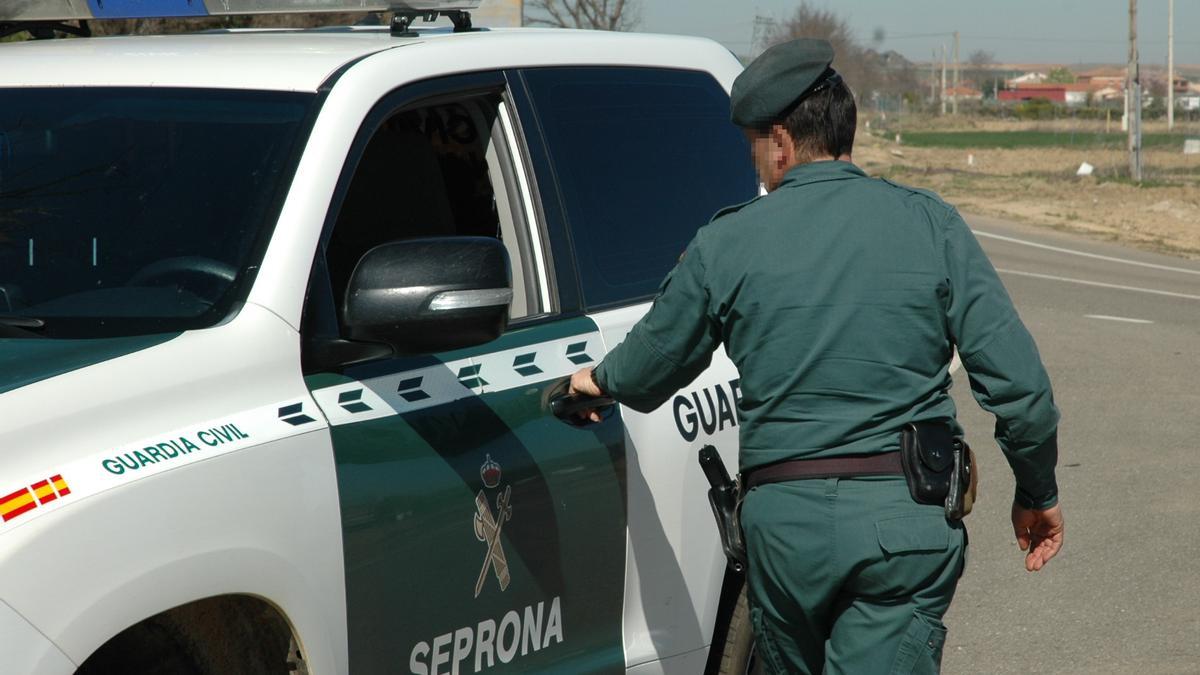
489 524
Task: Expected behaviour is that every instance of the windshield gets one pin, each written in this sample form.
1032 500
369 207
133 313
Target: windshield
137 211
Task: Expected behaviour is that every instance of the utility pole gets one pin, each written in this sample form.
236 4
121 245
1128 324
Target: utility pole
933 78
764 29
1170 65
1133 89
943 94
954 96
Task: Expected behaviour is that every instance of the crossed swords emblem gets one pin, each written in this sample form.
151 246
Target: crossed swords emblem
488 529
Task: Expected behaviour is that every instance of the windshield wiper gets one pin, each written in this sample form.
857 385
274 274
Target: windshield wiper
20 326
21 321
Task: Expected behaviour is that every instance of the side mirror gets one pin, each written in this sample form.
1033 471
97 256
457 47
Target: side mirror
429 295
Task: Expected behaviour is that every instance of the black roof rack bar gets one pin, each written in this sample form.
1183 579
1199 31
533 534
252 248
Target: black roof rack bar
402 21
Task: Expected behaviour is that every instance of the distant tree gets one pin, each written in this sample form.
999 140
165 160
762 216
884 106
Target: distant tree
977 71
1157 87
980 58
593 14
850 58
1060 76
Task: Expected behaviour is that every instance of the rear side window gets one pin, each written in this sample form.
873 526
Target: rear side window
643 158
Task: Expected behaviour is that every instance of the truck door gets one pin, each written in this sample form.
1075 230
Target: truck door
642 158
479 531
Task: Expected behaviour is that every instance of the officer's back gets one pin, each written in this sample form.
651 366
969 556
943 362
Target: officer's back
832 295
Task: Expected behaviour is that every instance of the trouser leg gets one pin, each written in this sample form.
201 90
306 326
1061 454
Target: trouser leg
793 574
908 558
849 576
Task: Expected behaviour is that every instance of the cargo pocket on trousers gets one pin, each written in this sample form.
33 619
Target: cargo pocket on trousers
766 650
920 652
913 534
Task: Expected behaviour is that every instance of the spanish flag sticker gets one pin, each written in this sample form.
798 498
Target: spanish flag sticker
28 498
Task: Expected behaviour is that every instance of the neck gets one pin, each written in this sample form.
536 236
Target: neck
808 160
822 158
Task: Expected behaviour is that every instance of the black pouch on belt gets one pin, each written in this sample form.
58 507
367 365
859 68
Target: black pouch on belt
937 466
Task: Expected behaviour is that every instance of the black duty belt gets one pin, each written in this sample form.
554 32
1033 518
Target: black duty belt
850 466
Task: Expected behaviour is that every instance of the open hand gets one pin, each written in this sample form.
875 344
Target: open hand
1040 533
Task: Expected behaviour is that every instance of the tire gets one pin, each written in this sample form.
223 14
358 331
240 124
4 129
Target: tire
738 653
149 648
232 635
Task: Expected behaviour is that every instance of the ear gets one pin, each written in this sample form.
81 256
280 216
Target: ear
785 148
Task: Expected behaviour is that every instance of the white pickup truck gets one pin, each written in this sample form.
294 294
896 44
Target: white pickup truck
281 313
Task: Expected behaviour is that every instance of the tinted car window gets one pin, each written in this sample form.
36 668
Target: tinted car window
127 211
643 158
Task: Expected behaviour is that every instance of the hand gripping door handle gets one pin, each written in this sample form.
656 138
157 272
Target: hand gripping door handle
567 407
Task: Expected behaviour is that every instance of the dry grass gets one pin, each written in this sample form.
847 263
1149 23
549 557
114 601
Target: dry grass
1038 185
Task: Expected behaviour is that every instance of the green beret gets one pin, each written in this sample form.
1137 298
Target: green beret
779 77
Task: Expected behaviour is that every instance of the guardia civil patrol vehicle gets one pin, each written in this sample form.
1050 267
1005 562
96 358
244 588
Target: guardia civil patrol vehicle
283 317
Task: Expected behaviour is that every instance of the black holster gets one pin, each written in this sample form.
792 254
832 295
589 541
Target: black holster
937 466
725 499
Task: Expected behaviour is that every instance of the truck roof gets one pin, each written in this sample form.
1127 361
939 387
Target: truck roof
301 60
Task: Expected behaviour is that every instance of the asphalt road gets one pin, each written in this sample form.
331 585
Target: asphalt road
1119 331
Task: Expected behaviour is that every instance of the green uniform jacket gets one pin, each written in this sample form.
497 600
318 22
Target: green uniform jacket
839 297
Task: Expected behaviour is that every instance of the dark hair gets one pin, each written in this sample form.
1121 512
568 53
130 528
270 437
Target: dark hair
824 122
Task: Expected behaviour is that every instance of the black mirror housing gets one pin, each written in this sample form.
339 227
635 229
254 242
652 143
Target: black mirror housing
428 295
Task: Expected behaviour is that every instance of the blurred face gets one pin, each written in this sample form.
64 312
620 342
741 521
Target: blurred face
773 152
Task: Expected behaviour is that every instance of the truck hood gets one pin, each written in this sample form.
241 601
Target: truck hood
23 362
71 409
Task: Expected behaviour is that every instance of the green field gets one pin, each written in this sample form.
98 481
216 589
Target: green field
1031 139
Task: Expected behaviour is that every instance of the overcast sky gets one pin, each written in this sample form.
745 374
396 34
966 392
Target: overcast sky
1056 31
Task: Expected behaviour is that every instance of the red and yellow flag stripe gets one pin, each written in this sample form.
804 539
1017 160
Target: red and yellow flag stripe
30 497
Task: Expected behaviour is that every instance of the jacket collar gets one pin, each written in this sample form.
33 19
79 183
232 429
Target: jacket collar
819 172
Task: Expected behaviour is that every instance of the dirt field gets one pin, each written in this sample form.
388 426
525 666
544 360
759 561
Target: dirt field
1039 185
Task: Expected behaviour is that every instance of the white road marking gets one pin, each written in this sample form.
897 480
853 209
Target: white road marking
1014 240
1084 282
1115 318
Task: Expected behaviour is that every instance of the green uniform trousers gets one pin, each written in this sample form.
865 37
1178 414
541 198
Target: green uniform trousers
849 576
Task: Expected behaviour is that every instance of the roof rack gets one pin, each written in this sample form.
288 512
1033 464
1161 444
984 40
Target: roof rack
43 17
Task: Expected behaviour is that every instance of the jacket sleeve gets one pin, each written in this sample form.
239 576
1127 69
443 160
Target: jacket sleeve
670 346
1002 362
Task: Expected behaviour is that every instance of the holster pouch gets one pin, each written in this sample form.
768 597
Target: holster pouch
725 499
939 467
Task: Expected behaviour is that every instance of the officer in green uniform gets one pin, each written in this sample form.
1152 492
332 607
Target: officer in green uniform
840 299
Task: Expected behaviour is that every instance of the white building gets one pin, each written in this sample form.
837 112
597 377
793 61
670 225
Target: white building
1027 78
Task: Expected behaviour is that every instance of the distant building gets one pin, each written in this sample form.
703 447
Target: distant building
1109 94
1099 78
893 59
963 93
1027 78
1072 95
